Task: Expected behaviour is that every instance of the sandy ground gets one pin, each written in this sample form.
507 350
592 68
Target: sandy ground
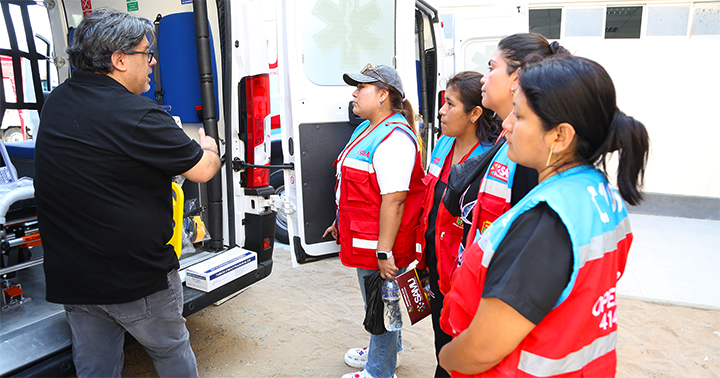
300 321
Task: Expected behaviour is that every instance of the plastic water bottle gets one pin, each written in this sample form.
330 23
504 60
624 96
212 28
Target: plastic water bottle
391 299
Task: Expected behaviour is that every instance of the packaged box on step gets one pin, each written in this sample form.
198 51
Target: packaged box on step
219 270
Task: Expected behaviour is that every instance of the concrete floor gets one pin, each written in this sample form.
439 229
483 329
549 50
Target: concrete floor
673 260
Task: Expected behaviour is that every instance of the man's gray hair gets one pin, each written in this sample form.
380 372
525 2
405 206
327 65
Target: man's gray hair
104 32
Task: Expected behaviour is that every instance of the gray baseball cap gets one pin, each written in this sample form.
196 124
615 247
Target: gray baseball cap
371 74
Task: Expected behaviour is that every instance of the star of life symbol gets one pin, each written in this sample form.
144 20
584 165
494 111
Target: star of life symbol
349 28
479 60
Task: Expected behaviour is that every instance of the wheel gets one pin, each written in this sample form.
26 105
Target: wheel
281 231
12 134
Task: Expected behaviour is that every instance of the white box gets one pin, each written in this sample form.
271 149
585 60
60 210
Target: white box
219 270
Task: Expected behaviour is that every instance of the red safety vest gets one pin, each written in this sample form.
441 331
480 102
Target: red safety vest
360 200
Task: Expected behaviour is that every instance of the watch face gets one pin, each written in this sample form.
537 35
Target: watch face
382 255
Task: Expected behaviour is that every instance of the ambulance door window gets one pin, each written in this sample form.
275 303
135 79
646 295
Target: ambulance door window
344 36
477 54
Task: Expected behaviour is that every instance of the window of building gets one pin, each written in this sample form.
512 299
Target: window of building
584 22
546 22
623 22
706 20
668 20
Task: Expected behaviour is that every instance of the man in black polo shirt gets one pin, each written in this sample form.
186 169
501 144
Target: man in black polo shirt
104 161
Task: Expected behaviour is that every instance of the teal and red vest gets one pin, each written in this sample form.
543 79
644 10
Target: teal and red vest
577 338
360 199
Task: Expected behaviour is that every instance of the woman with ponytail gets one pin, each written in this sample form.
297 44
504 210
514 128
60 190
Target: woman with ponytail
379 194
469 129
536 293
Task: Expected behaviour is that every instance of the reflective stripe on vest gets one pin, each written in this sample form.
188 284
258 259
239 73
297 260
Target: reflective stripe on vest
364 244
359 165
547 367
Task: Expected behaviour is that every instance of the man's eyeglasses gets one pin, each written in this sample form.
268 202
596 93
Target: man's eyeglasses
370 67
149 54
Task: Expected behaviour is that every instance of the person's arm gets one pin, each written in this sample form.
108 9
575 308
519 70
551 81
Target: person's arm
209 164
391 212
394 161
496 330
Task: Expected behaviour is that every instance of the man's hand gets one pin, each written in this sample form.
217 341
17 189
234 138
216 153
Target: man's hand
207 142
209 163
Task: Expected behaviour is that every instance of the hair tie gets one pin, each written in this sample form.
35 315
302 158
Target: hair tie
554 47
403 100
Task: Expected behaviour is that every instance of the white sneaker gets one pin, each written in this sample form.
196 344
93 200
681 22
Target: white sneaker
357 358
361 374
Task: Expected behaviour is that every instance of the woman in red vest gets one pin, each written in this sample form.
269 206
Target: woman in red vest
535 295
379 195
468 130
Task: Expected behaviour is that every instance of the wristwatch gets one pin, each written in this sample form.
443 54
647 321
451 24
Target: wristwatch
382 255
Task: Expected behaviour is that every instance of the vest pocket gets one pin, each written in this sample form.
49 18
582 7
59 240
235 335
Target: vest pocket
356 187
491 208
427 179
364 237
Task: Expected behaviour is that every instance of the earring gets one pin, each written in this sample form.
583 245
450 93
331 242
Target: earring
381 103
513 88
473 120
547 164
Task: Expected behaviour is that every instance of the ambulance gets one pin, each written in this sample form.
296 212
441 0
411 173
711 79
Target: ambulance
240 69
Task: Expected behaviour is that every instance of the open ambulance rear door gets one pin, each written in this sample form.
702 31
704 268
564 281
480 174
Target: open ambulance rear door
319 40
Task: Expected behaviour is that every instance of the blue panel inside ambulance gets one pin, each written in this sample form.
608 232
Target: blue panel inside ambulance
177 57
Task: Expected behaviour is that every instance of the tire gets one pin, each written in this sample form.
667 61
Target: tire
281 231
12 134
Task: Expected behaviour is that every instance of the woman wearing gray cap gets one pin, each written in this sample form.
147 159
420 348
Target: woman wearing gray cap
379 196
